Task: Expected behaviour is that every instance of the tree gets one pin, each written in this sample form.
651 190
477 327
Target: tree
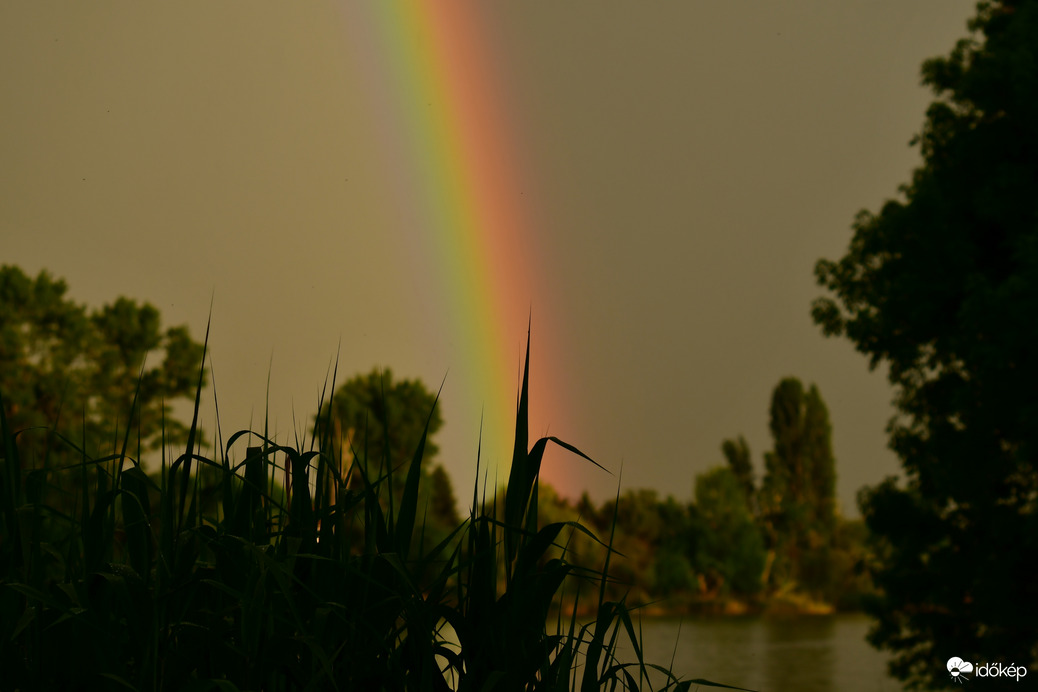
675 549
737 453
379 419
729 547
379 424
798 494
443 509
66 367
637 513
941 286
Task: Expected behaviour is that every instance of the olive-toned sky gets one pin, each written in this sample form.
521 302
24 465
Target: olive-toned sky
686 164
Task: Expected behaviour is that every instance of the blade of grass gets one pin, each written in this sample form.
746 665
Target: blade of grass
409 501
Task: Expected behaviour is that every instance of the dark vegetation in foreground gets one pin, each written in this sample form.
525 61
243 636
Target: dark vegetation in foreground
210 576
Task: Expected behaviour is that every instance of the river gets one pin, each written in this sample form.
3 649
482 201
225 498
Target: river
801 654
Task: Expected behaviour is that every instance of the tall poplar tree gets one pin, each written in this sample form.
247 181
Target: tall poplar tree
737 454
941 286
797 497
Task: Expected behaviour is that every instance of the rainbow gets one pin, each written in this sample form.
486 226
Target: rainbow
443 116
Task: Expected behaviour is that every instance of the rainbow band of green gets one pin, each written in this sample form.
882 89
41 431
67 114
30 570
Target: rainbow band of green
441 112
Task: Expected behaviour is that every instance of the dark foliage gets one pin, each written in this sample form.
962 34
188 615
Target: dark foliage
941 286
211 577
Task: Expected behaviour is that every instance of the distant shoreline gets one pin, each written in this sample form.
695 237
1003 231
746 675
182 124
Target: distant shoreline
785 605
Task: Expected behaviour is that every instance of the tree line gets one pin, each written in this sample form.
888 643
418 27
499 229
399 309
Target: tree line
739 545
81 375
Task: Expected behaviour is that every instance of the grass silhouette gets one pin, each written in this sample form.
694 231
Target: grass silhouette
208 576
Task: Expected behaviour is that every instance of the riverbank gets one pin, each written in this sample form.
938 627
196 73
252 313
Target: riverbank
780 604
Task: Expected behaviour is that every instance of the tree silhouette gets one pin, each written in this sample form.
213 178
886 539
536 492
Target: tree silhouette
378 423
942 287
797 497
63 365
737 454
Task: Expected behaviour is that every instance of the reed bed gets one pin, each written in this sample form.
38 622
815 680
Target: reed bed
289 570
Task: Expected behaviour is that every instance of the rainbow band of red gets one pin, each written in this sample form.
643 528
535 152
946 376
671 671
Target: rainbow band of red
442 113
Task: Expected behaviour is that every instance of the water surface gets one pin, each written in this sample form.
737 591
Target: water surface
802 654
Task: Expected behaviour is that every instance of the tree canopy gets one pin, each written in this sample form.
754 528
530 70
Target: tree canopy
941 286
380 419
730 549
737 454
64 365
379 423
797 498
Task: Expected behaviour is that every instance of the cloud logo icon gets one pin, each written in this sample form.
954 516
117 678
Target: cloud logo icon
958 668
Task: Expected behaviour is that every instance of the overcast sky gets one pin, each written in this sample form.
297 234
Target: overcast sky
683 167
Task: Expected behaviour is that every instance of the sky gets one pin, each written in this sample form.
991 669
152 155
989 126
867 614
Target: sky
410 186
